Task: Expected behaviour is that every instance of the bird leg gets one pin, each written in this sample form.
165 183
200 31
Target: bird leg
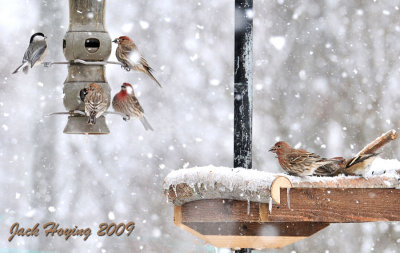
126 117
126 67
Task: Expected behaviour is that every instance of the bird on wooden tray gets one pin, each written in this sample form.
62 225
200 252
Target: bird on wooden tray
126 103
96 101
128 54
359 164
299 162
34 54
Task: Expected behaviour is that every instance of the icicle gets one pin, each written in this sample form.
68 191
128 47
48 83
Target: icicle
230 186
270 205
174 188
192 186
248 206
288 196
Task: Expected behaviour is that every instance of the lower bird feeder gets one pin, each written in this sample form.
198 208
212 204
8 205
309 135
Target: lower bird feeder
239 208
79 125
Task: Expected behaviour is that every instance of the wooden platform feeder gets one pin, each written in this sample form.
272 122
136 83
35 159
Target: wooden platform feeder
245 209
259 210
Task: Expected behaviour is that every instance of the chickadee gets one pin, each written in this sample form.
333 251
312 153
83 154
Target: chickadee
35 53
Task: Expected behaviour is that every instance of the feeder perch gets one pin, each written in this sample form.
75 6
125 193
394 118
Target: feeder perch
240 208
86 40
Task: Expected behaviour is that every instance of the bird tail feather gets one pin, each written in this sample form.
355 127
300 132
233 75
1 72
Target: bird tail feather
149 70
24 66
360 158
146 123
92 118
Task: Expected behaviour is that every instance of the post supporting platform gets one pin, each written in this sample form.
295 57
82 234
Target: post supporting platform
243 108
243 94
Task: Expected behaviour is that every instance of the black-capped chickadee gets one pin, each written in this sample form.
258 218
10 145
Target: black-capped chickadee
35 53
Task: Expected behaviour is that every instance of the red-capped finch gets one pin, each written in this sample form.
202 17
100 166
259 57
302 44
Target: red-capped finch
96 102
125 102
128 54
298 161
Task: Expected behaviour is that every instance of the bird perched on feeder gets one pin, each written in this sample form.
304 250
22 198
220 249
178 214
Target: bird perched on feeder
300 162
358 165
128 54
96 102
35 52
125 102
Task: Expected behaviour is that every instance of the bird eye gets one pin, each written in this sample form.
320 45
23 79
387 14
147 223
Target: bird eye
279 146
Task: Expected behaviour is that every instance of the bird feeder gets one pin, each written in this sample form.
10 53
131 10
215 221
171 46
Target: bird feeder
239 208
86 40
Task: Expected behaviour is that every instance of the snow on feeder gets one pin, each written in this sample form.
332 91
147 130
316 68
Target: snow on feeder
85 45
239 208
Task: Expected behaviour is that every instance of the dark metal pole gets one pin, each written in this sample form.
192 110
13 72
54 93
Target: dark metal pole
243 107
243 96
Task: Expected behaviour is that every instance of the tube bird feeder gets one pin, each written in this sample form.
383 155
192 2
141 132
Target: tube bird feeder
87 40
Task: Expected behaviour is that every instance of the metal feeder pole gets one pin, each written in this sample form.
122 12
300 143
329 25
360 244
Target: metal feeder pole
243 108
87 40
243 96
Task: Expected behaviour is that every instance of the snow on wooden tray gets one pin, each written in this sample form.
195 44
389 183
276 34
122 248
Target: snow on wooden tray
212 182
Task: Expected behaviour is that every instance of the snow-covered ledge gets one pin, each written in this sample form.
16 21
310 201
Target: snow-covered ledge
210 182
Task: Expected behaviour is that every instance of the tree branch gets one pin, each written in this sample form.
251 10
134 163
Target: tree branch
379 142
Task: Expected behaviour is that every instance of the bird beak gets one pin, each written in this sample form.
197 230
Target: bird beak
45 37
115 41
273 150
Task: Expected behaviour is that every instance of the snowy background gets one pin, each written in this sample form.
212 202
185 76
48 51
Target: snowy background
326 77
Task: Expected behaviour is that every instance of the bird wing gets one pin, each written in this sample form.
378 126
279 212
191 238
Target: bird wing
302 158
136 104
145 64
35 51
334 166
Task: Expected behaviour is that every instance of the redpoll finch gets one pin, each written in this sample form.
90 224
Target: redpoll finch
128 54
335 167
359 164
96 102
298 161
125 102
35 52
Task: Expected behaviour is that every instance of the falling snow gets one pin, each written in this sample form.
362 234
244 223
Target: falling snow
278 42
326 69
